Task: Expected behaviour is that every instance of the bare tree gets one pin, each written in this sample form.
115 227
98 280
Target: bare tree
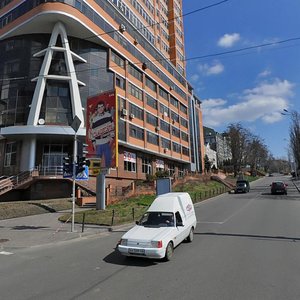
257 154
295 137
238 138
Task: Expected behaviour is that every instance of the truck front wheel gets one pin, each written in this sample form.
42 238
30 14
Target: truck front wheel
169 251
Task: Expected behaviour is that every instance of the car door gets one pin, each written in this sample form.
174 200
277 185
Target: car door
181 230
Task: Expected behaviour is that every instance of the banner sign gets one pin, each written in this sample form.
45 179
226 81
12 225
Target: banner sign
160 163
129 156
102 133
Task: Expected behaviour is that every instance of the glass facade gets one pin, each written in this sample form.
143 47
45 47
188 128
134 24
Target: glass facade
18 67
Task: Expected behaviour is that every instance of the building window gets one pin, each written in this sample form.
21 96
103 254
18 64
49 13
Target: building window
176 147
184 136
136 111
146 166
185 151
164 110
163 93
152 138
117 60
174 116
135 72
150 84
184 122
151 101
151 119
120 82
175 131
129 161
183 108
136 132
56 105
135 91
171 169
159 165
164 126
10 154
166 144
174 101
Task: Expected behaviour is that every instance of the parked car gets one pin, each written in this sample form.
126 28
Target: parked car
169 220
278 187
242 186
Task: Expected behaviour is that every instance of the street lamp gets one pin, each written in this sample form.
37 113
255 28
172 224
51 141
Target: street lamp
285 112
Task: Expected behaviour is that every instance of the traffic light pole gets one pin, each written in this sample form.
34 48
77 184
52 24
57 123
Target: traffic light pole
74 181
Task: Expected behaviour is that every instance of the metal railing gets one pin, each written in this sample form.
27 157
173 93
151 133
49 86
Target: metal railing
50 171
12 182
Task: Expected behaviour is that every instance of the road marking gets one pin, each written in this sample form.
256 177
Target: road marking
6 253
203 222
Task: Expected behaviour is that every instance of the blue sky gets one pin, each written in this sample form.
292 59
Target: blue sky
251 87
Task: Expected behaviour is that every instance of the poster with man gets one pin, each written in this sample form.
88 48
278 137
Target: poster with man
102 128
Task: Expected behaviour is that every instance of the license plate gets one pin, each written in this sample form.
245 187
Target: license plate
136 251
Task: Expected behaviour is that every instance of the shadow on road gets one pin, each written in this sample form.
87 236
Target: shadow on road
118 259
26 227
255 236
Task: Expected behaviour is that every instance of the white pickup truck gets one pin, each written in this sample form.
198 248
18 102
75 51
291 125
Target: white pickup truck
169 220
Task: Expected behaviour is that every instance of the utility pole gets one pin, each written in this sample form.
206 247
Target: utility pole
74 181
75 125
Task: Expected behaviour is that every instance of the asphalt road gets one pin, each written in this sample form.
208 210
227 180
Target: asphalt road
246 246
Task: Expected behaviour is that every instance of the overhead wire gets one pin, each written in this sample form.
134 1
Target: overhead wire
217 54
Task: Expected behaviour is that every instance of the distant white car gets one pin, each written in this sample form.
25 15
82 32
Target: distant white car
169 220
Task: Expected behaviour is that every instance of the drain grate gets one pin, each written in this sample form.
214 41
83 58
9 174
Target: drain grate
4 240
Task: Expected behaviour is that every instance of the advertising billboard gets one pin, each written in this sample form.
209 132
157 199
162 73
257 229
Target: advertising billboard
102 133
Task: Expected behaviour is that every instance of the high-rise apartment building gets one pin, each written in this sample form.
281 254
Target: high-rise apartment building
55 54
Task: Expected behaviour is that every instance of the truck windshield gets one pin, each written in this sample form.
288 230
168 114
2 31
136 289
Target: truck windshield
157 219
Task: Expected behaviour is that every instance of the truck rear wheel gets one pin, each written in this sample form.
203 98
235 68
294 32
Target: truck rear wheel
190 237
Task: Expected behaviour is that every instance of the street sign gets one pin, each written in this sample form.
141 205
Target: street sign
76 123
84 175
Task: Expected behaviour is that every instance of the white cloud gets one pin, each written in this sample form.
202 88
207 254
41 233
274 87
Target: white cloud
211 103
264 102
214 69
228 40
264 73
194 77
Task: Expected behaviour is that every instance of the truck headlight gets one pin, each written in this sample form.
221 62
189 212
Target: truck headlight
123 242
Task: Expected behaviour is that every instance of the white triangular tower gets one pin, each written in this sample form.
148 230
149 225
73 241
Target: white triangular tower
77 110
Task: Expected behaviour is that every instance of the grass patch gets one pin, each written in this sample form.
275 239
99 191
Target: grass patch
116 214
16 209
133 208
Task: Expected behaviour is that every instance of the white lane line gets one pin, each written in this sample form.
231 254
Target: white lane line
203 222
5 253
239 210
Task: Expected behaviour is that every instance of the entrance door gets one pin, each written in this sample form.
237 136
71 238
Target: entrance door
53 155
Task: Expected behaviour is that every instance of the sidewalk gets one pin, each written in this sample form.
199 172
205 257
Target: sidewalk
40 230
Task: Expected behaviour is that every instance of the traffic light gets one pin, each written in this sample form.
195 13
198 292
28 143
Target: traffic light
67 167
81 164
82 149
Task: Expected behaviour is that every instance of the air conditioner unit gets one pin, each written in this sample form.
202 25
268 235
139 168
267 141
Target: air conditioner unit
124 112
131 116
144 66
157 128
166 150
122 28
